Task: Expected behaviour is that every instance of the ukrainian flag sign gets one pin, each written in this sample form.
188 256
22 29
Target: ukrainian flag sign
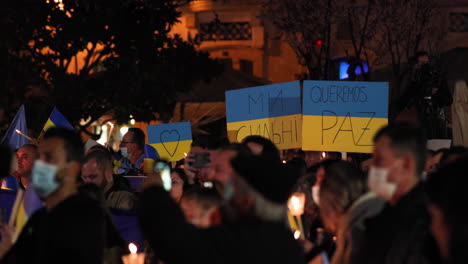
171 140
343 116
272 111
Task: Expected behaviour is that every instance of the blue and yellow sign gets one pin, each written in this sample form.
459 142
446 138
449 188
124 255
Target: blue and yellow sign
343 116
272 111
171 140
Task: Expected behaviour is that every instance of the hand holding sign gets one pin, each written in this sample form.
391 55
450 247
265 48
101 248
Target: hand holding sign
171 140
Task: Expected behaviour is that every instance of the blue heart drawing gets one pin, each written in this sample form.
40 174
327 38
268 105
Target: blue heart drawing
170 136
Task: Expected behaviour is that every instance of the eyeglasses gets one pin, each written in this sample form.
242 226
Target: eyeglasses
127 142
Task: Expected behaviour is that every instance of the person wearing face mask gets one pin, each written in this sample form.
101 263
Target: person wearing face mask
70 228
132 151
97 169
400 232
254 232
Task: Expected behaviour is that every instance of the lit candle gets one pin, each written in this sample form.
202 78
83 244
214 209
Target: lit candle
134 257
297 234
24 135
296 204
324 155
110 132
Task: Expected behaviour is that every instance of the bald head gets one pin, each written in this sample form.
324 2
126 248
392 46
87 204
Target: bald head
26 156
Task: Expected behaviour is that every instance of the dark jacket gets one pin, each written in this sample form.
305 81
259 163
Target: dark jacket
72 232
121 194
244 241
351 230
400 233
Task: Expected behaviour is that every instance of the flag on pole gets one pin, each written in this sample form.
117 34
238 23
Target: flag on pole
12 138
30 203
56 119
151 154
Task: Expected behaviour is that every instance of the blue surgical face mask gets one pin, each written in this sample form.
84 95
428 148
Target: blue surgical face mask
44 178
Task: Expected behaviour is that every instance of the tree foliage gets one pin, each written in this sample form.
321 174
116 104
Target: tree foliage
393 30
306 26
95 57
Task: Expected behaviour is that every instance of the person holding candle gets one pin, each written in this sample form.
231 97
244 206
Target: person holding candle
70 228
253 231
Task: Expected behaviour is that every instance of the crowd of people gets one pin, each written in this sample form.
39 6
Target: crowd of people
229 202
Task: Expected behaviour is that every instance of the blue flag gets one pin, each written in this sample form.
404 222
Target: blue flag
11 137
151 152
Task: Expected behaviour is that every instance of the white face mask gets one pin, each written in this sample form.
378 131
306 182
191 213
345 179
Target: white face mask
316 194
124 152
378 183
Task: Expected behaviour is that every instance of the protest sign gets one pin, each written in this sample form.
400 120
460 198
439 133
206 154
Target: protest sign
343 116
170 140
272 111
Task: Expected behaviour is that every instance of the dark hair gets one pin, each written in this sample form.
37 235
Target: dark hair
241 150
206 198
98 147
421 53
300 164
273 180
446 189
341 187
103 159
452 154
71 142
5 159
182 176
406 139
30 146
138 136
207 142
269 149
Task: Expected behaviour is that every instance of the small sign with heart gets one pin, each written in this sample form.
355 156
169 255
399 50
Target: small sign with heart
171 140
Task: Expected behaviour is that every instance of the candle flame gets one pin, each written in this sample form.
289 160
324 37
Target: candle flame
185 154
22 134
324 154
284 161
297 234
296 204
133 248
